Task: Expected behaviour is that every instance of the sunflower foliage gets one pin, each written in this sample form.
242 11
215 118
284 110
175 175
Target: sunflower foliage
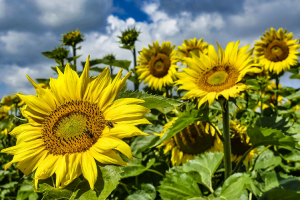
88 135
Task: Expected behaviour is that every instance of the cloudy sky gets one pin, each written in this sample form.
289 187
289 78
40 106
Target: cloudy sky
29 27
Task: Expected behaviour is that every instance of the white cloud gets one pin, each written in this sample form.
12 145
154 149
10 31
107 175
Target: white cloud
15 77
59 12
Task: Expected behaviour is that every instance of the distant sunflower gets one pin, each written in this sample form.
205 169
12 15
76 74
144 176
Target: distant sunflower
157 65
193 45
73 124
240 143
213 75
194 139
277 50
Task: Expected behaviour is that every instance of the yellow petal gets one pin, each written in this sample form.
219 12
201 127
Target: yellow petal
89 168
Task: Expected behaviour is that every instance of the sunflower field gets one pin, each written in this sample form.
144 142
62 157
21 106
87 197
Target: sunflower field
199 123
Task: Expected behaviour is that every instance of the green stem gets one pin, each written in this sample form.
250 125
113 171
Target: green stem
154 171
226 142
247 99
74 55
136 84
125 186
261 101
276 92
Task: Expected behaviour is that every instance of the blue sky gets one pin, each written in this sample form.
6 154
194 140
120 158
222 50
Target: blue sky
33 26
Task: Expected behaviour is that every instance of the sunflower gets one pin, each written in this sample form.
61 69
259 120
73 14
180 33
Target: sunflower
73 124
194 139
240 143
277 50
213 75
157 65
193 45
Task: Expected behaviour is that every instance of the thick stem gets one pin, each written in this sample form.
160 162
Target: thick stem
62 63
276 92
136 84
74 55
261 101
226 142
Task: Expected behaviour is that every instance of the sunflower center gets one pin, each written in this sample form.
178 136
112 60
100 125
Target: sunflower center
218 78
159 65
193 139
277 51
73 127
239 144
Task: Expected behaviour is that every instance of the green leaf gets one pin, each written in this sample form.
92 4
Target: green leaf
125 64
110 179
294 96
43 80
151 101
135 169
253 83
295 76
267 136
147 192
97 69
107 180
234 186
187 118
141 143
203 167
281 194
48 54
178 186
267 160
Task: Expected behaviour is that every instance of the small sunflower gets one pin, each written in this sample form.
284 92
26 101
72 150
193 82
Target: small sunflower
213 75
157 65
193 45
240 143
194 139
73 124
276 51
72 38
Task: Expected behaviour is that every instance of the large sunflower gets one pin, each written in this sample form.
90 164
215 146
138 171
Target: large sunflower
157 65
213 75
73 124
240 143
193 45
277 50
194 139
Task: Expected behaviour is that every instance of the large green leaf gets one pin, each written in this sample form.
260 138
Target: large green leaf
187 118
107 180
280 194
151 101
267 136
234 186
147 192
136 169
295 96
267 160
203 167
178 186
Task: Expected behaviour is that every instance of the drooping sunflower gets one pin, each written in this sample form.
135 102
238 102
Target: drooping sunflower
276 51
194 139
240 143
73 124
213 75
157 65
193 45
